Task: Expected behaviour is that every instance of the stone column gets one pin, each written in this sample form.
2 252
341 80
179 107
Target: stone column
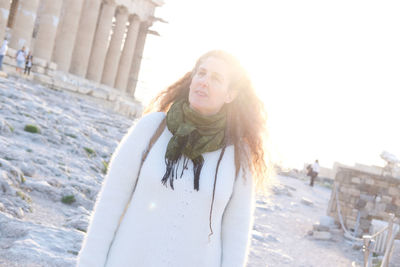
4 12
99 49
84 38
137 59
23 24
49 18
114 50
127 53
66 34
13 11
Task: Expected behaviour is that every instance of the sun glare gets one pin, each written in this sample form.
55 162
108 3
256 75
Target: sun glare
326 71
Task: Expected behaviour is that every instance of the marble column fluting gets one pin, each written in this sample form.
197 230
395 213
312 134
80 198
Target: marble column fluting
114 49
4 12
13 11
66 33
49 20
127 53
24 21
137 59
84 37
99 49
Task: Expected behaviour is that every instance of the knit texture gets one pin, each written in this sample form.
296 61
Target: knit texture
164 227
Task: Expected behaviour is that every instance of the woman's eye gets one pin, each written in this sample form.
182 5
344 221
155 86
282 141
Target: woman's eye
216 79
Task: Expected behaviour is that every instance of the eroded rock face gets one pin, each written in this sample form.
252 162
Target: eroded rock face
51 171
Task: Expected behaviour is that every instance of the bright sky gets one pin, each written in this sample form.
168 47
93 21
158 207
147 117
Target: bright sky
327 71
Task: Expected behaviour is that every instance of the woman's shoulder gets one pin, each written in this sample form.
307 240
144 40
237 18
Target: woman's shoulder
151 118
144 128
149 122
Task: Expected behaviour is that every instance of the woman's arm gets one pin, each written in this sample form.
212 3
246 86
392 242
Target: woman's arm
237 223
116 191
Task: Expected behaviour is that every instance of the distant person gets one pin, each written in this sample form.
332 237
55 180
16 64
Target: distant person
20 57
3 52
314 172
179 190
28 63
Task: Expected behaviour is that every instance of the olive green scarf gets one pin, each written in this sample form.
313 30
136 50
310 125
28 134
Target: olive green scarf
193 135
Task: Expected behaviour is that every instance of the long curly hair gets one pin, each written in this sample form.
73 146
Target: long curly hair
246 116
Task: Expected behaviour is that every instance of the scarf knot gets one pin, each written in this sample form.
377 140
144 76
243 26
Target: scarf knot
193 135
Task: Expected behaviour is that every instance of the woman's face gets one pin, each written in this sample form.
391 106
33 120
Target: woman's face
209 89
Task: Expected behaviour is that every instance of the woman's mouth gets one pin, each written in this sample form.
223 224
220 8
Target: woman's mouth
201 93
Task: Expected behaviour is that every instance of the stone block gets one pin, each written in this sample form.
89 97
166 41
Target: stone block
3 74
100 94
367 197
386 199
43 79
9 69
397 202
52 66
354 192
382 184
390 208
369 207
39 62
355 180
58 84
38 69
372 190
350 223
49 72
336 231
327 221
11 52
395 259
307 201
322 235
319 227
361 204
354 213
112 96
10 61
369 181
84 90
71 87
365 224
393 191
380 207
353 200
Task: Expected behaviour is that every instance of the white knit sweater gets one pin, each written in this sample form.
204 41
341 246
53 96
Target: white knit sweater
164 227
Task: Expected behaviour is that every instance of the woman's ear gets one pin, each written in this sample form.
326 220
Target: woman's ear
230 96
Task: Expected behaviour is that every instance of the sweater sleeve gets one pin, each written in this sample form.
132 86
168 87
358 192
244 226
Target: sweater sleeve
237 223
116 190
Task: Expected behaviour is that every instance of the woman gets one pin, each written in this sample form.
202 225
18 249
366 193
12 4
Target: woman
20 58
193 201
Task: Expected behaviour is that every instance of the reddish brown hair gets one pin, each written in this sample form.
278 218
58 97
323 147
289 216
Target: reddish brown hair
246 124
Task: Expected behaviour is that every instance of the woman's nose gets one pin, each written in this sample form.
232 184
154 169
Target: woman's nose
204 80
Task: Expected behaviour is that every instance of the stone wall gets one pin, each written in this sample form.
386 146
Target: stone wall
367 195
46 73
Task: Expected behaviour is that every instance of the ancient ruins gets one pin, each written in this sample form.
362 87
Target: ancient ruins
92 47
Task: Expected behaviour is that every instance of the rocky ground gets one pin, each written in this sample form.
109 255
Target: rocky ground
55 148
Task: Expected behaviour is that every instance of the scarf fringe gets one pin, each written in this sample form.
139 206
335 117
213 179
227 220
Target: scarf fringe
171 172
197 166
